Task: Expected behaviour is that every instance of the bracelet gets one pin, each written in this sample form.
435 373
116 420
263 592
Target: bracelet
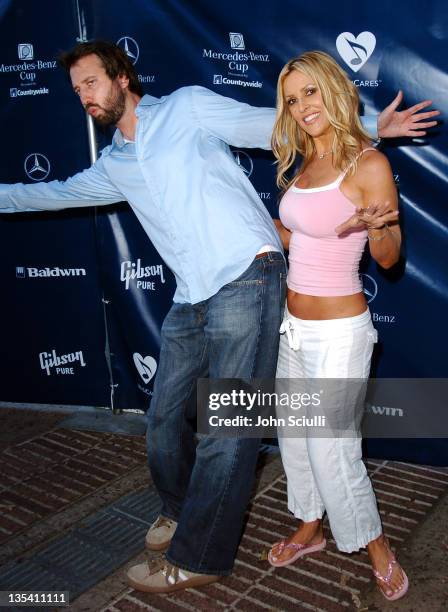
378 238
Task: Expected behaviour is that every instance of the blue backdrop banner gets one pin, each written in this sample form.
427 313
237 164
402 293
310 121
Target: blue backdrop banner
86 292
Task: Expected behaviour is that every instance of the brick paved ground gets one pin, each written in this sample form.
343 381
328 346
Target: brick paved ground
52 471
51 474
328 581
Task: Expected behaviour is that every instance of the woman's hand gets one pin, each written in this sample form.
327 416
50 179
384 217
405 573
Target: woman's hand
375 216
408 122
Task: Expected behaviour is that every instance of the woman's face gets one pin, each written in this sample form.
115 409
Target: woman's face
304 101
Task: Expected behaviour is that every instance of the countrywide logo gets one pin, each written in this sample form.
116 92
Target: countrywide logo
355 50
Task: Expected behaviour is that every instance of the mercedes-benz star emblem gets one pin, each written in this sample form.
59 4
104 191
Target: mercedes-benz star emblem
37 167
130 47
370 287
244 162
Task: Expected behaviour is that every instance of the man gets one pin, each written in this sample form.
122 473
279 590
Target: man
171 161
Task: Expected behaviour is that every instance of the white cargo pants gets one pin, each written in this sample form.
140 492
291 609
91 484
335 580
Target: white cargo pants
328 474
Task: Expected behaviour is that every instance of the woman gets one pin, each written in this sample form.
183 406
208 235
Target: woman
342 196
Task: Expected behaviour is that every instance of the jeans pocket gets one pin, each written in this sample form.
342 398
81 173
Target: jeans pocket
241 283
283 277
252 276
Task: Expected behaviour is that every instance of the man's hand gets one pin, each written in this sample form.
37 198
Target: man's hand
409 122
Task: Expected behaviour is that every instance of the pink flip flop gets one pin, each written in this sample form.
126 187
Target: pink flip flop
387 579
301 550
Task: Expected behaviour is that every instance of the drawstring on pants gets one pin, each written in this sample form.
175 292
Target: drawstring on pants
292 332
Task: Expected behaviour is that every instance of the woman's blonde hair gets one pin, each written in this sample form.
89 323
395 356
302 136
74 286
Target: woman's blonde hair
341 102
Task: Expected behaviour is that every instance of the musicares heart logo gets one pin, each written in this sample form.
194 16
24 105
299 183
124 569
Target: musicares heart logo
355 51
146 367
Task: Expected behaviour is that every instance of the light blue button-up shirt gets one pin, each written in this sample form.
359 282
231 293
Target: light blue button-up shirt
196 205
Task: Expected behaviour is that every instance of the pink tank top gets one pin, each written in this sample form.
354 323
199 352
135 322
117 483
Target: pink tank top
322 263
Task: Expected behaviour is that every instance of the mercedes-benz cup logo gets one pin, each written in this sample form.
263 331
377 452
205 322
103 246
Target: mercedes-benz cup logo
25 51
37 167
370 287
130 47
244 162
237 41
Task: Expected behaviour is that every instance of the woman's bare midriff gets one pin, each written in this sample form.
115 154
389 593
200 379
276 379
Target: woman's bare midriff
316 308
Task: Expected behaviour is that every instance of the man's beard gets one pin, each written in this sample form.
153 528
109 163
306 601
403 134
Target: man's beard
113 109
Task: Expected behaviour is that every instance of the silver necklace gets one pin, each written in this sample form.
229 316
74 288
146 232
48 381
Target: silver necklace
324 154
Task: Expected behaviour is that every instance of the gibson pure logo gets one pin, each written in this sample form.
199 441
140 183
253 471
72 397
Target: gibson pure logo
146 367
131 271
61 363
355 51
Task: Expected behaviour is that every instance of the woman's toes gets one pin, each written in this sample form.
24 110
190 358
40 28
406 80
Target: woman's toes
278 551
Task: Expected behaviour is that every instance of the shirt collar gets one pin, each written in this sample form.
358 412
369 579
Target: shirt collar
146 101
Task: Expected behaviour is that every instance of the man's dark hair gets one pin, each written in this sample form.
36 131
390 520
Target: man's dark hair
114 59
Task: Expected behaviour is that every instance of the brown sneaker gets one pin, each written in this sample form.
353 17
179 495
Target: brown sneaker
160 533
159 576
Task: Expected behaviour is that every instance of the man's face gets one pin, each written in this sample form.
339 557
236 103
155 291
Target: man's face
102 98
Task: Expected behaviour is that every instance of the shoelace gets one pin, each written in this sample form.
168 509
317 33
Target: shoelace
162 521
172 573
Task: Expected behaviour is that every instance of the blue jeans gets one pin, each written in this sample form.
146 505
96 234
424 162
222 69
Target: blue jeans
205 484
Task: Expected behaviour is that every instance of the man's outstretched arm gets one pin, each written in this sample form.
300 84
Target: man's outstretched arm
236 123
242 125
91 187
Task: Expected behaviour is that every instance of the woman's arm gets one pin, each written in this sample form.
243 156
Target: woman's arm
379 211
285 234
